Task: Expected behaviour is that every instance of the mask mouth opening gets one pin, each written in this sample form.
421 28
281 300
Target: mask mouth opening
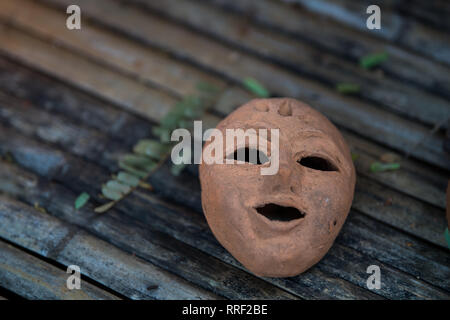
275 212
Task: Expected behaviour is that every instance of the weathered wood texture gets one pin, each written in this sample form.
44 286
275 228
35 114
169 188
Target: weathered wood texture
72 102
34 279
397 29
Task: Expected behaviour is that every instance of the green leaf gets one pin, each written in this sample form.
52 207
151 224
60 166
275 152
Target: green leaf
162 133
119 187
347 88
372 60
190 102
177 168
139 161
111 194
127 179
105 207
186 124
380 167
151 148
169 122
256 88
447 237
191 113
81 200
130 169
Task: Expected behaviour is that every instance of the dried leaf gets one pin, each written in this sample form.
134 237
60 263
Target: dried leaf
151 148
372 60
381 167
256 88
389 157
111 194
81 200
145 185
105 207
127 179
39 208
347 88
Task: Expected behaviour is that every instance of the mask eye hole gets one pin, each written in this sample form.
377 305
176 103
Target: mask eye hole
249 155
317 163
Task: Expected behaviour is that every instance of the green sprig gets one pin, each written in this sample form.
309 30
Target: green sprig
255 87
149 154
81 200
347 88
381 167
373 60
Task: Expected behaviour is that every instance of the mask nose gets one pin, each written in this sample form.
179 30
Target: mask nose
284 174
282 180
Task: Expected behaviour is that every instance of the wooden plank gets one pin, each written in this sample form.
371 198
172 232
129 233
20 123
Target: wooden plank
312 62
33 278
413 35
394 284
433 13
129 94
142 64
160 250
178 222
401 211
418 218
139 207
153 246
97 260
393 248
58 99
331 36
354 15
428 193
107 225
414 179
429 13
363 118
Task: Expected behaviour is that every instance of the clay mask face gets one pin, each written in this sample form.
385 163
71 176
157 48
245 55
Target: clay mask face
280 225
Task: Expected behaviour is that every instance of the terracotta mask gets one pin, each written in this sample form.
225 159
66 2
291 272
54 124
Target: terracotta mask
280 225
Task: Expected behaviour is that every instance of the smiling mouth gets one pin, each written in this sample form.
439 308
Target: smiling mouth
275 212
